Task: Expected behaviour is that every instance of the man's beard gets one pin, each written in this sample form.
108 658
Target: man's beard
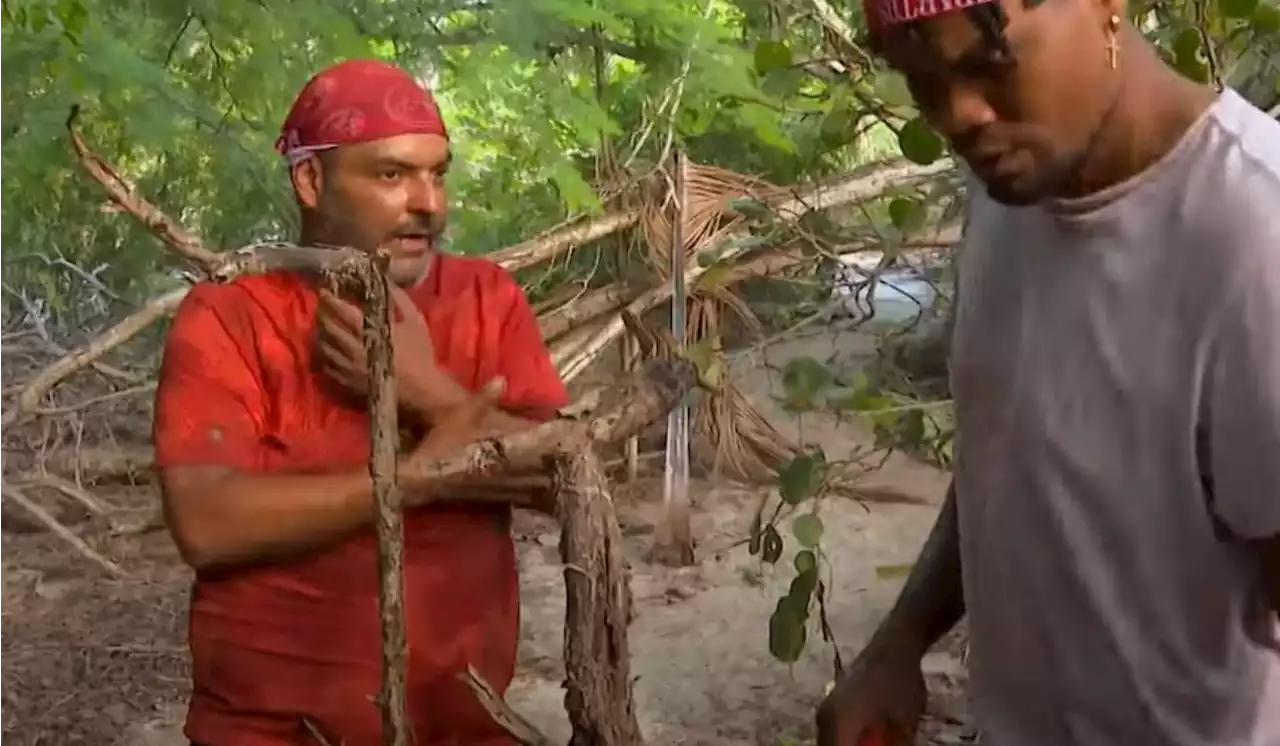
403 271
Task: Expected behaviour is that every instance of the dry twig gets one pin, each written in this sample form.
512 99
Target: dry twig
40 514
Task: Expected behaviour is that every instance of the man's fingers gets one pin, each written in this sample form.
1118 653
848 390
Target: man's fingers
470 414
337 308
338 365
336 333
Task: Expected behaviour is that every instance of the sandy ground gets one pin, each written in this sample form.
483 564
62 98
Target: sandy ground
86 660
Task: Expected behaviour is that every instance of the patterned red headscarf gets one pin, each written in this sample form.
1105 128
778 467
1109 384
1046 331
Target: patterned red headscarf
357 101
884 14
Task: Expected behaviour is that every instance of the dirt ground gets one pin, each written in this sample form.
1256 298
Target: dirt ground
90 660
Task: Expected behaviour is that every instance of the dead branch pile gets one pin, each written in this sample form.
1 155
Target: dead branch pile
741 444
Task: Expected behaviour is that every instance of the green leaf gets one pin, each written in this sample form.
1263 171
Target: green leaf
1238 8
911 428
1266 19
801 591
772 55
919 143
890 572
805 561
808 530
787 632
771 548
838 127
749 206
801 477
907 215
803 380
863 399
891 88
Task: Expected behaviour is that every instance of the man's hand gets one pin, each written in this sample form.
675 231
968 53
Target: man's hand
453 431
422 386
880 700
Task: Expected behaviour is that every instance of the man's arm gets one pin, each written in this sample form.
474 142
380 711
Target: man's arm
1243 402
209 410
532 395
220 516
932 600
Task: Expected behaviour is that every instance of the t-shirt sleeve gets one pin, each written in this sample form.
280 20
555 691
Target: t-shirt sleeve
534 388
209 403
1243 424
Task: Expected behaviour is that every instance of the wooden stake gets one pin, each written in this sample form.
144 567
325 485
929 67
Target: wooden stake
389 521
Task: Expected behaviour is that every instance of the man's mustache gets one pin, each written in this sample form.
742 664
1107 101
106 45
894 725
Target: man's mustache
431 229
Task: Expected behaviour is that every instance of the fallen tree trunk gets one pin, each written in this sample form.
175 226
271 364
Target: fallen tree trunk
597 658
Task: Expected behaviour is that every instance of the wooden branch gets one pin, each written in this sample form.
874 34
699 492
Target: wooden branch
585 307
364 273
866 184
548 245
389 520
44 381
597 657
123 194
516 726
332 263
42 515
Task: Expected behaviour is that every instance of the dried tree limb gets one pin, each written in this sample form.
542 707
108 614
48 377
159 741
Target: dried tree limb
389 522
123 194
867 183
65 486
335 263
548 245
40 514
142 388
598 609
515 724
590 305
44 381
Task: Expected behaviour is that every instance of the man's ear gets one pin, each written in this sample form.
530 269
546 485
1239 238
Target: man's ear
308 181
1108 9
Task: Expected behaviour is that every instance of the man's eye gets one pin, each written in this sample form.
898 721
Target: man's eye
993 67
389 174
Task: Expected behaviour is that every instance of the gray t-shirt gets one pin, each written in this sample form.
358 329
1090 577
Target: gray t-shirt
1116 370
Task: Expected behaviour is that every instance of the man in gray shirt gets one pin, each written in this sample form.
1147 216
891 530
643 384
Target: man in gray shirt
1113 529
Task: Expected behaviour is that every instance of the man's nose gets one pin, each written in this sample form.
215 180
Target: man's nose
427 196
962 112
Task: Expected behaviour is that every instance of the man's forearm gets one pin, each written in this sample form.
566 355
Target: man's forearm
236 518
530 491
423 401
932 600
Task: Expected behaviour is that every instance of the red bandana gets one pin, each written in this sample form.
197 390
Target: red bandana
884 14
357 101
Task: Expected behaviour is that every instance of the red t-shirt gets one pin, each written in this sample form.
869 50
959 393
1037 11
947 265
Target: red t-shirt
276 643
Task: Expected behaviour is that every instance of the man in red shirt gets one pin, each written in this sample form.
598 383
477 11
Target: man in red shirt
262 442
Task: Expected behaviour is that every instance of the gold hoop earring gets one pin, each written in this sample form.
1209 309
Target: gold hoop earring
1113 42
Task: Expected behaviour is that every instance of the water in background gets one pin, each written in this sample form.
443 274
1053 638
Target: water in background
899 295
